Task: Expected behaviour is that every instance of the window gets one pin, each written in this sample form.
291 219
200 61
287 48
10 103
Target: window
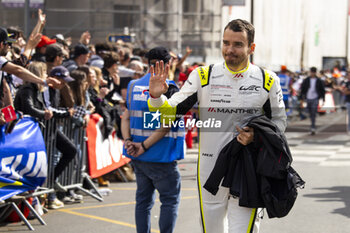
189 6
129 18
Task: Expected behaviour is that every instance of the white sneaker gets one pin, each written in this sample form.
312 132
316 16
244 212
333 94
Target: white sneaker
68 200
55 204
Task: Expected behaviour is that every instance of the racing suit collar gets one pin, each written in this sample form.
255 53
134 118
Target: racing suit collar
237 72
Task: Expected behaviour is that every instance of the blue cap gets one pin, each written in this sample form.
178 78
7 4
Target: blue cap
61 72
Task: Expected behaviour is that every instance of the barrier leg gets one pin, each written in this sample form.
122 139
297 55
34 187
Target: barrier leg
14 206
4 213
121 173
90 193
34 212
89 181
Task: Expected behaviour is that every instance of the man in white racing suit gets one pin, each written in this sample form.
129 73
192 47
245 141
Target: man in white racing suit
230 92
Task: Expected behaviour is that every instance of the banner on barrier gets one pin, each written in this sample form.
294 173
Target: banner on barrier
23 162
104 155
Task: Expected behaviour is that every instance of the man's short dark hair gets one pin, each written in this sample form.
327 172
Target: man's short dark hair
313 69
103 47
158 53
240 25
52 51
110 59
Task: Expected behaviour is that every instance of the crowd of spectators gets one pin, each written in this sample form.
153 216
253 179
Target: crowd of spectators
49 77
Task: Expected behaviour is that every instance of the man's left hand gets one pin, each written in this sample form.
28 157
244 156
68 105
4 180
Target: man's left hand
245 136
135 149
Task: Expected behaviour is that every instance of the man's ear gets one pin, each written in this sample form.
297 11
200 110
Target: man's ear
251 48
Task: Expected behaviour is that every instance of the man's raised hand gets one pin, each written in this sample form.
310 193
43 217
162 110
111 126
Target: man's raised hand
157 82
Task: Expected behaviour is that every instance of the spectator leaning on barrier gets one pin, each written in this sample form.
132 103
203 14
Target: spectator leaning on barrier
312 89
63 143
78 87
155 164
29 98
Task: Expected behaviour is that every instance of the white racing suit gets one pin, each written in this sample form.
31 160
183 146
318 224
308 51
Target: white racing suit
230 98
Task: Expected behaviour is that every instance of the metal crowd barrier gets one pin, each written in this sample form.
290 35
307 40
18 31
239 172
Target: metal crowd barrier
71 178
75 173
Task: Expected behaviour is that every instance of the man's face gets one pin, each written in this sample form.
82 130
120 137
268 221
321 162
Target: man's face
85 58
235 48
21 42
4 48
114 69
59 60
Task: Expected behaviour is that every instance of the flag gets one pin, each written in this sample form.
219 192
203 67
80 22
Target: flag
23 162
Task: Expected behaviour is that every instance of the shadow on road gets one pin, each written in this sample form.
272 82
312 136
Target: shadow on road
335 194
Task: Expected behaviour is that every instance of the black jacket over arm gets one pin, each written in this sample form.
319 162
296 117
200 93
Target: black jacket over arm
258 173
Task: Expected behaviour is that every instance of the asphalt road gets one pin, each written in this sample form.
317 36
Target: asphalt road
323 161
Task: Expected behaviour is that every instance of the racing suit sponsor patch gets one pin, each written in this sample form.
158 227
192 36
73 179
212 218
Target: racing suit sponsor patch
249 90
234 110
203 72
219 90
220 101
207 155
217 76
268 81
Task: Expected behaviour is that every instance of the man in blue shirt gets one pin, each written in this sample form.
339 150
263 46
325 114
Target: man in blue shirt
285 82
153 152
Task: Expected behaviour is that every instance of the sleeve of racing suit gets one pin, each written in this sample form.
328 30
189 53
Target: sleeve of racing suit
181 101
278 112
